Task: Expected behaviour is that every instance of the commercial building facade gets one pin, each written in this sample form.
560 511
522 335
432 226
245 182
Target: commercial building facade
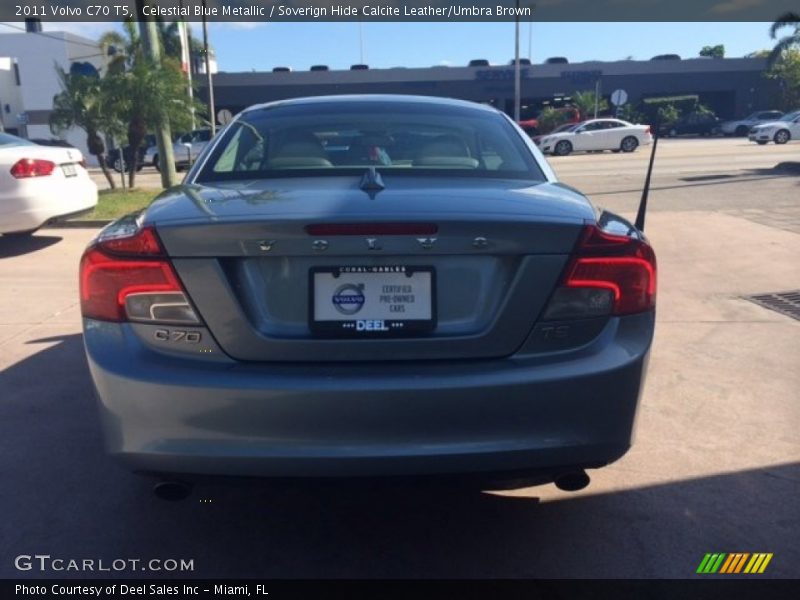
729 86
29 80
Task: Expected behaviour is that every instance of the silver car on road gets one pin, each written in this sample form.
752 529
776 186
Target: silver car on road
360 286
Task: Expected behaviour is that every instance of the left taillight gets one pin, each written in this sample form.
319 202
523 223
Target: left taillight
32 167
129 278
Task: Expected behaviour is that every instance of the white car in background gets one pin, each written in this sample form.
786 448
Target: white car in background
742 126
39 184
596 135
781 131
185 150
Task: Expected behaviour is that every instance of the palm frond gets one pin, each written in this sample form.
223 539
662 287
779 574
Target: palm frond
785 20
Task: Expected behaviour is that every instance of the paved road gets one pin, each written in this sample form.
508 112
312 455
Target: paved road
716 466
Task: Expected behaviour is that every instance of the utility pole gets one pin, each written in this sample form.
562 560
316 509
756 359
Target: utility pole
212 116
517 69
152 47
360 42
596 96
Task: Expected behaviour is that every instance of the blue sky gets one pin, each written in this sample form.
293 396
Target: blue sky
261 46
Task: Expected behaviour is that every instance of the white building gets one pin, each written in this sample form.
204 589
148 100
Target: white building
28 80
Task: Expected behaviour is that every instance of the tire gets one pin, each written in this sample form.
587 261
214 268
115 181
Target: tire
742 130
562 148
617 151
782 136
117 166
761 142
629 144
155 162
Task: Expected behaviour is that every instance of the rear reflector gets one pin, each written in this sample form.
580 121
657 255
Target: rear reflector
607 274
128 278
32 167
372 229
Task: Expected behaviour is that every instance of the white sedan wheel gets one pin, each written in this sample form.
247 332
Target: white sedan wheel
782 136
629 144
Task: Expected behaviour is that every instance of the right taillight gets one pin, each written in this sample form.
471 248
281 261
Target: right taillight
608 274
32 167
127 277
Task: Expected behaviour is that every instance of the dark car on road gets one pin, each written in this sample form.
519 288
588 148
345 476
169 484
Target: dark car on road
368 286
692 124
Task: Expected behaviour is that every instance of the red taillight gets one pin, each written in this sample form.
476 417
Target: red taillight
372 229
32 167
608 274
624 265
116 268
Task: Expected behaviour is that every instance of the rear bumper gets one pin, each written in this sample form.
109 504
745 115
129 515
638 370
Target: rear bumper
528 413
38 203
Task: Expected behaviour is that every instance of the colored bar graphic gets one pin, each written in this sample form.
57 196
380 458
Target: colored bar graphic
727 564
765 563
735 562
741 562
723 563
703 563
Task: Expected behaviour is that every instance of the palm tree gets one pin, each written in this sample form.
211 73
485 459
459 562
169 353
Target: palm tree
585 102
81 104
143 93
788 19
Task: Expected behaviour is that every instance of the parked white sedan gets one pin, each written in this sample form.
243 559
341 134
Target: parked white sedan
596 135
781 131
39 184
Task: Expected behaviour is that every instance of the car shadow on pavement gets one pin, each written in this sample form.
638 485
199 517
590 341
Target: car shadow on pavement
62 496
17 245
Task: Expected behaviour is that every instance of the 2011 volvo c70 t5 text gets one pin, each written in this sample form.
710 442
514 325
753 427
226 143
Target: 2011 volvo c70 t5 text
369 286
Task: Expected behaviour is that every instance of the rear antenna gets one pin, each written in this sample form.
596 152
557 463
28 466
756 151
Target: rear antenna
646 191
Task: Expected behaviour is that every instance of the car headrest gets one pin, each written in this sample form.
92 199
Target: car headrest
444 146
300 144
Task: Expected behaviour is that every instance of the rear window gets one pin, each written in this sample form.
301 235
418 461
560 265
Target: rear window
320 139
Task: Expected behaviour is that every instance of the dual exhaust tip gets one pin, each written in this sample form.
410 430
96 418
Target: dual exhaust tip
174 491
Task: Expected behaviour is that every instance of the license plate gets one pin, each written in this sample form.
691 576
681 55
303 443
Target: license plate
69 170
372 301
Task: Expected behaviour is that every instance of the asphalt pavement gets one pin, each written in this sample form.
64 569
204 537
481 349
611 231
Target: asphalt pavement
715 467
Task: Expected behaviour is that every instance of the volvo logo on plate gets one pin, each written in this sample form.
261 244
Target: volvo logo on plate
348 299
